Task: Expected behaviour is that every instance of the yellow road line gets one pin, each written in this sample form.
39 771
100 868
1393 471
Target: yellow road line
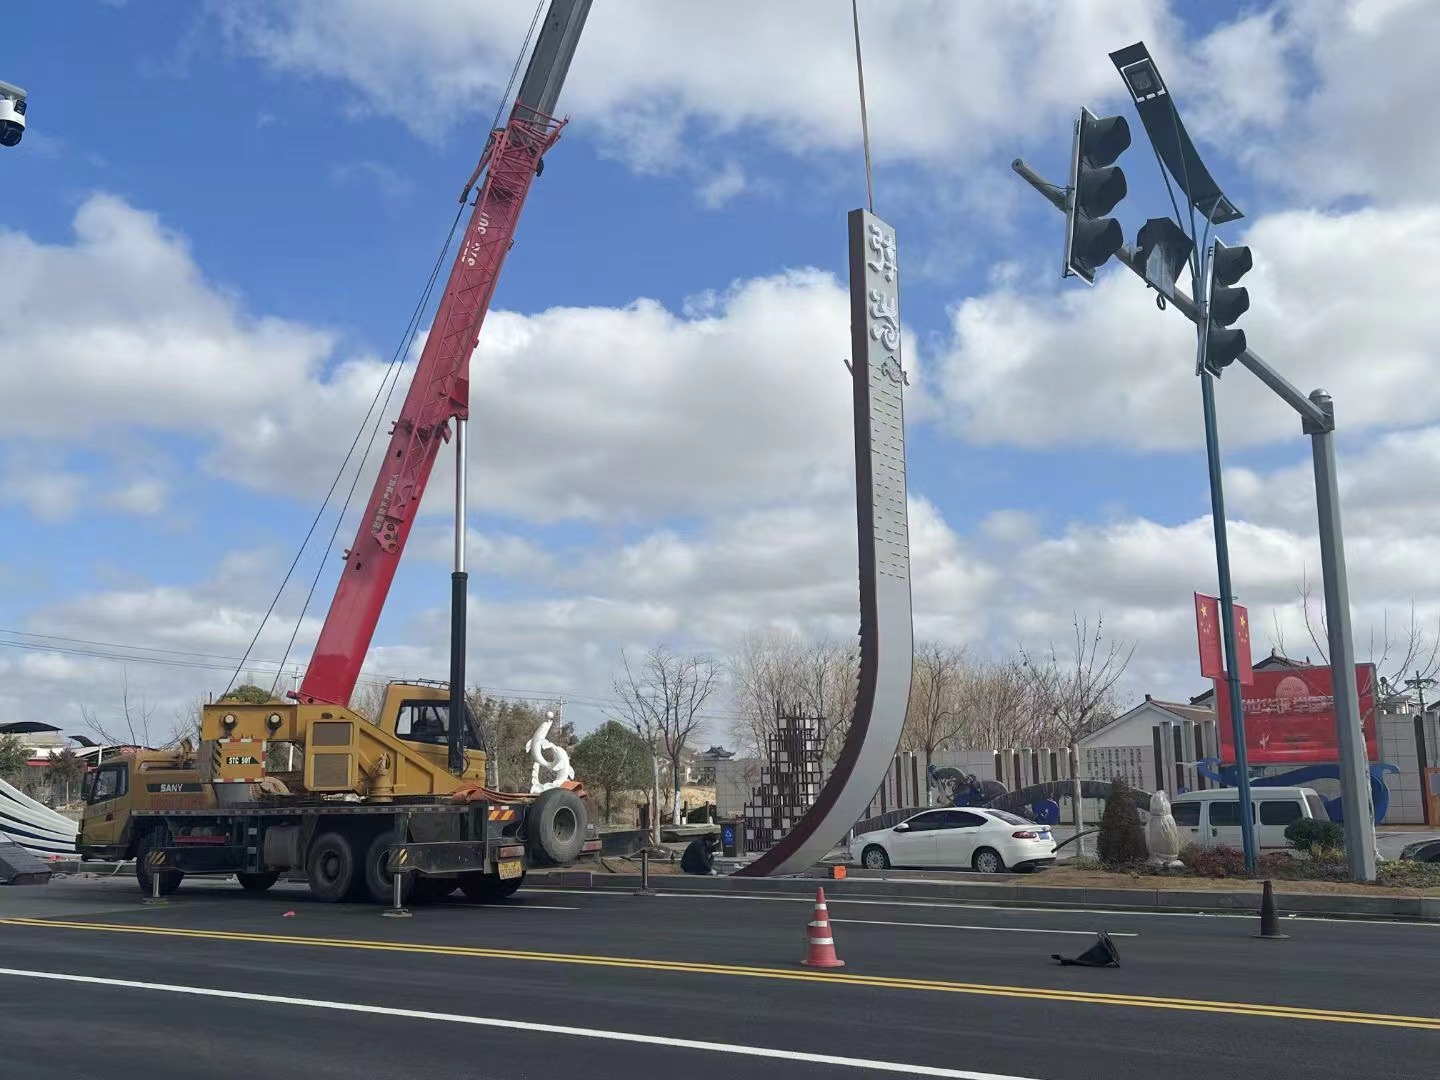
1231 1008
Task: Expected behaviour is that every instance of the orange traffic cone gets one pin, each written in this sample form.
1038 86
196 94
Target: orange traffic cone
819 944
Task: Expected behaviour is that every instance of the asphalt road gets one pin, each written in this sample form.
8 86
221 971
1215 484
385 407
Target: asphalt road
226 985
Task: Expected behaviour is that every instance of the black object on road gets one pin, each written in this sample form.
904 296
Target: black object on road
1102 954
1269 921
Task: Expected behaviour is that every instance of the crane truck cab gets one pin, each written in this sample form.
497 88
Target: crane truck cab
332 797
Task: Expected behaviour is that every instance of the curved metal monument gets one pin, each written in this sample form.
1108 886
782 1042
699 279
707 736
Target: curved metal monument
886 630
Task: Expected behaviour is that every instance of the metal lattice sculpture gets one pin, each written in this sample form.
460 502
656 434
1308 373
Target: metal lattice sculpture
789 783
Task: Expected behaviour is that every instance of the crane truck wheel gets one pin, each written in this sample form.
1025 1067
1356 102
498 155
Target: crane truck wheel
379 883
332 867
486 888
258 882
427 889
169 879
555 828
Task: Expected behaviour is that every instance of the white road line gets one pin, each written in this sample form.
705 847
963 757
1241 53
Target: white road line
514 907
975 905
997 929
524 1025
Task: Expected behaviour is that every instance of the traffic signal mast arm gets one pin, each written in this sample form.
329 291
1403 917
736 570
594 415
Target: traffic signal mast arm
1311 413
440 389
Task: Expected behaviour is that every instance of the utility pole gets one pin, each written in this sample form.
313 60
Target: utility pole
1161 251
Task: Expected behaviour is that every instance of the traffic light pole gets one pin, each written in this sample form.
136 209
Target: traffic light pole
1227 618
1317 418
1354 769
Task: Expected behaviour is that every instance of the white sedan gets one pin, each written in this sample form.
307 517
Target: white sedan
973 838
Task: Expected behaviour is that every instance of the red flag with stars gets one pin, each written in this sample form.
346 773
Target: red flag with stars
1207 628
1242 647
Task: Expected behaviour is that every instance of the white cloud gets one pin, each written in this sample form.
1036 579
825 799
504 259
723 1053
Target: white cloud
120 330
49 495
593 413
1358 117
387 180
1337 300
146 496
575 607
650 72
725 184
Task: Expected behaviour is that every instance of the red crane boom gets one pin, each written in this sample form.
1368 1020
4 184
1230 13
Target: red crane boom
440 389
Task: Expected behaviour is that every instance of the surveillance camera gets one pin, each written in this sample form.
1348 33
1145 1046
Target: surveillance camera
12 114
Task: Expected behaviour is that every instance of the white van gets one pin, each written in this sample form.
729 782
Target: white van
1213 817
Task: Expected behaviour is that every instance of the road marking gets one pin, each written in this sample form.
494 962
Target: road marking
511 907
877 982
1018 906
997 929
524 1025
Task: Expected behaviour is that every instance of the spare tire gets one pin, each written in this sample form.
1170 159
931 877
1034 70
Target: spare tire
555 828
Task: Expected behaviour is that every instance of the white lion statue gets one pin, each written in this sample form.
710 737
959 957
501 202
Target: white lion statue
1162 835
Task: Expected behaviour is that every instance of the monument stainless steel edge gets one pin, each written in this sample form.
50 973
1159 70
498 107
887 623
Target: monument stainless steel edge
886 627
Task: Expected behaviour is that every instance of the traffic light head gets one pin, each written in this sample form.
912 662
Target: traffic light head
1224 303
1096 187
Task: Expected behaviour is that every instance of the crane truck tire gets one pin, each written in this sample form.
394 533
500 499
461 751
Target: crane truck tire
169 879
332 867
379 883
487 888
258 882
555 828
428 889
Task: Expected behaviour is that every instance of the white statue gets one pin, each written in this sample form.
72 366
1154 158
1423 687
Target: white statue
558 762
1162 835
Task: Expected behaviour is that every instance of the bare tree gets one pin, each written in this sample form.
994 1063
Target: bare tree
772 665
368 699
762 670
662 703
1408 651
999 707
1078 694
934 714
132 720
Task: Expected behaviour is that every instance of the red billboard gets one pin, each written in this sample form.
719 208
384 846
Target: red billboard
1290 716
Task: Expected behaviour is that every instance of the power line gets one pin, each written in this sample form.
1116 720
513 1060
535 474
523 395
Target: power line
206 661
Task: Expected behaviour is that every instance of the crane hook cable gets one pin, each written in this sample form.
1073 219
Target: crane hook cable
864 117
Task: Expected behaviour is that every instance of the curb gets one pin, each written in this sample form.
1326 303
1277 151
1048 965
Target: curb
1158 901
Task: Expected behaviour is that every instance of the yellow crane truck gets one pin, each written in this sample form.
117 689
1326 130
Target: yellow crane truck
309 786
322 793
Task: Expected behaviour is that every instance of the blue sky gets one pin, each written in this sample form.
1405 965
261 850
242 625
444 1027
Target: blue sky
222 214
